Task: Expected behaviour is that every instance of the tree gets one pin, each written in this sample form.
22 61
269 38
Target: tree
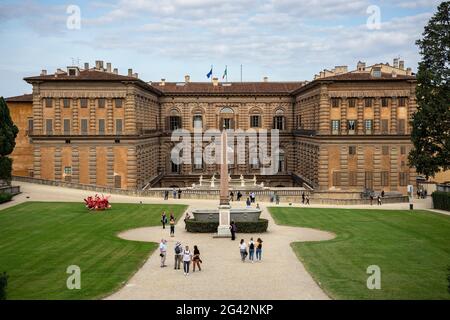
8 134
431 123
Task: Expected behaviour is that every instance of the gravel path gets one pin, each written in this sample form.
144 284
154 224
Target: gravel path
280 275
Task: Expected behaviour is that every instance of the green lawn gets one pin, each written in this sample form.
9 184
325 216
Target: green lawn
412 248
39 240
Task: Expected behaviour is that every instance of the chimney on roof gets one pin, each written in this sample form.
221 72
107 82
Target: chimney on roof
136 75
187 78
116 71
394 74
266 79
361 66
401 64
130 72
108 67
43 72
163 82
395 63
97 64
215 81
408 71
340 69
86 66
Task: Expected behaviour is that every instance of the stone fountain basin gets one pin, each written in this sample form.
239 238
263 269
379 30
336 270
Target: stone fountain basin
237 215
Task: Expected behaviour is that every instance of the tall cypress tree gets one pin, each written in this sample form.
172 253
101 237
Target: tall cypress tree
8 134
431 123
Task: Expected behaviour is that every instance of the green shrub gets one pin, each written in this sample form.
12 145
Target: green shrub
5 197
441 200
3 285
242 227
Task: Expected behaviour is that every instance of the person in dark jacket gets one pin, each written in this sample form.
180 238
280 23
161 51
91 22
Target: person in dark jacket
233 230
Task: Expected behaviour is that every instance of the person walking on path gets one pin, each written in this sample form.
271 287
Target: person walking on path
179 193
174 193
258 249
178 255
382 193
187 257
243 250
248 203
303 198
239 196
164 219
251 250
277 198
166 195
163 252
307 199
186 218
196 259
233 230
172 227
231 196
379 200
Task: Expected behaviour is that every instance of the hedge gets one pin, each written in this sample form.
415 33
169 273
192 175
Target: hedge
242 227
441 200
3 285
5 197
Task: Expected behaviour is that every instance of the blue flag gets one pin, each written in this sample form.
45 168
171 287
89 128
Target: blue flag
209 73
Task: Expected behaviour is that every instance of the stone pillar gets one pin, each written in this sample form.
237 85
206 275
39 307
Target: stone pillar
324 111
323 168
344 166
377 168
344 116
393 153
75 121
92 166
394 116
110 166
57 115
360 172
109 116
58 164
223 230
131 168
75 165
37 110
37 161
130 111
360 113
92 118
376 116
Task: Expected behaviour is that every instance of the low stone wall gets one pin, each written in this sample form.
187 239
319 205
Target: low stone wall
293 195
10 189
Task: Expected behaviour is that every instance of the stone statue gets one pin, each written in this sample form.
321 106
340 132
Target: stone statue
201 180
254 180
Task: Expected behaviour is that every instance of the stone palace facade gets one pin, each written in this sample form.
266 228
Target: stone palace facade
343 131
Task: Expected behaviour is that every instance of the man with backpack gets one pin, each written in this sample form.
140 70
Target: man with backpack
178 255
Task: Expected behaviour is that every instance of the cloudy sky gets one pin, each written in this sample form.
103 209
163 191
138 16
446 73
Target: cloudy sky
286 40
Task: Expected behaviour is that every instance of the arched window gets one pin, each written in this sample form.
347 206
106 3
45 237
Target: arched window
255 118
279 120
226 118
174 120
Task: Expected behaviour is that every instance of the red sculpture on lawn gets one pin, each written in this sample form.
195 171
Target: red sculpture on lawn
97 203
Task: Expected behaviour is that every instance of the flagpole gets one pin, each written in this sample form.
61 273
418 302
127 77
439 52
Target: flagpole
241 72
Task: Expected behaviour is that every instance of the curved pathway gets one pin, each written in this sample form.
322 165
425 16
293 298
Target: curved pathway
280 275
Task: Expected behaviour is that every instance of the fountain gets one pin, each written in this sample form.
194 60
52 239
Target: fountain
225 214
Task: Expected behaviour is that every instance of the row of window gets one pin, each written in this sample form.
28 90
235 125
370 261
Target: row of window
83 102
279 122
368 126
403 179
83 126
384 150
368 102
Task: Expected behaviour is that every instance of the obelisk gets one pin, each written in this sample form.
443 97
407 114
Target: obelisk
223 230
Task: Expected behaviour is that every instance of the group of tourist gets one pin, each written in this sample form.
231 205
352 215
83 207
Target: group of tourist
171 222
422 193
305 198
185 256
252 248
175 193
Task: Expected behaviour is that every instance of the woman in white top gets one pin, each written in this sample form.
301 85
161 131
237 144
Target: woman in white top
243 250
187 257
